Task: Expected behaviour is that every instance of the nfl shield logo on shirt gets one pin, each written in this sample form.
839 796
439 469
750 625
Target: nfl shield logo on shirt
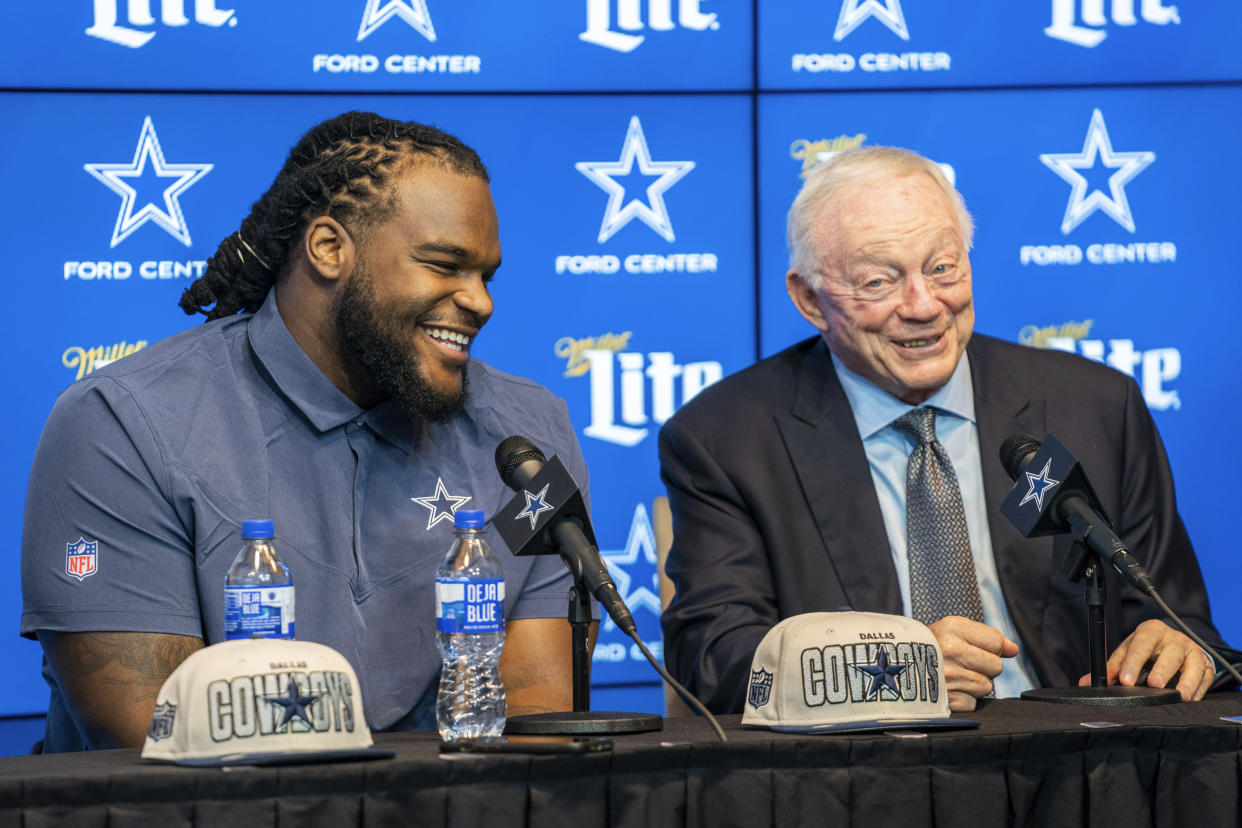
81 558
760 688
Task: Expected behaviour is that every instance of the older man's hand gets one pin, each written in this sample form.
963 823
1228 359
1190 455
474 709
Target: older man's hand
974 654
1173 652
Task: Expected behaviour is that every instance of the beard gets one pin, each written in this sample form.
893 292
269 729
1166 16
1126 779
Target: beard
378 339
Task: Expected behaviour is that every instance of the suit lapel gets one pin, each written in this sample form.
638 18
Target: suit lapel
827 455
1025 567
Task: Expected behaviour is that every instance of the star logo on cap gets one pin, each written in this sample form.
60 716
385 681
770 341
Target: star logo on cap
854 12
535 506
294 704
1040 484
413 12
149 161
883 675
1097 148
440 505
619 211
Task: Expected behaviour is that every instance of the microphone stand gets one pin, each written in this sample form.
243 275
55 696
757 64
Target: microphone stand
580 627
1084 563
582 721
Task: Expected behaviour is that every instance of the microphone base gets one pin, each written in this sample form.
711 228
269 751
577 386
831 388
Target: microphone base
582 723
1114 695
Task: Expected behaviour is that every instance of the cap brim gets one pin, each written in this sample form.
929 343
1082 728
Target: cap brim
876 724
353 755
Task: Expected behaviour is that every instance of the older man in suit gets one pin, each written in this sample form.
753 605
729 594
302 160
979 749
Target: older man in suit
788 481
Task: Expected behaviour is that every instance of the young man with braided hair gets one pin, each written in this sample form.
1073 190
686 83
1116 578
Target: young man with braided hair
328 391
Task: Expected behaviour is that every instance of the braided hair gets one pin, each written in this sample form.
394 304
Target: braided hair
341 168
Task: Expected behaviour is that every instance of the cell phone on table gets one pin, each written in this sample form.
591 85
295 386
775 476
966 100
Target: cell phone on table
530 744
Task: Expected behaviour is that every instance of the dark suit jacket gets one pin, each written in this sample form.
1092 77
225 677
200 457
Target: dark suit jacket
775 514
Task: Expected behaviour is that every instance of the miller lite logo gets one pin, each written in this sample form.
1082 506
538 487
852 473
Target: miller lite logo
629 18
162 722
1065 19
649 389
172 13
81 558
760 688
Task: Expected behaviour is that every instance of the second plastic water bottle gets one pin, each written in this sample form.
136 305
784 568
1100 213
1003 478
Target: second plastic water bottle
470 632
258 592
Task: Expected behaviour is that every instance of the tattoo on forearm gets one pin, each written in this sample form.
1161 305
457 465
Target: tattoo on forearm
145 660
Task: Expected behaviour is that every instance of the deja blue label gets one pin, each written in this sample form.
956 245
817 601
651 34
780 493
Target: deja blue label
470 606
251 611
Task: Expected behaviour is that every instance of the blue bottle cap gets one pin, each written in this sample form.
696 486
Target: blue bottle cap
258 529
468 519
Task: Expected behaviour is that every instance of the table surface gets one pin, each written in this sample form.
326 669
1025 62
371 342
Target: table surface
1025 763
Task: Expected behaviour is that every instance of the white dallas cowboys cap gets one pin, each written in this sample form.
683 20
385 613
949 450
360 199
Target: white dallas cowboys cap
841 672
260 701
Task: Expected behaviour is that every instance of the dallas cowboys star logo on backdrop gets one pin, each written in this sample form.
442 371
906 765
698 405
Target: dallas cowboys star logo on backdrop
620 212
440 505
883 674
147 152
413 12
1040 484
294 704
1081 203
535 506
639 544
854 12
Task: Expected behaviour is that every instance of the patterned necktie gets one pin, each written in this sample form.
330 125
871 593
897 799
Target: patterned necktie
942 570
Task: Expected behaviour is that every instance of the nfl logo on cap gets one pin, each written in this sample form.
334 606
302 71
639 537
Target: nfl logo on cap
260 701
842 672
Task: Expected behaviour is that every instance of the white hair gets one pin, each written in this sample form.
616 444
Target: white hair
852 167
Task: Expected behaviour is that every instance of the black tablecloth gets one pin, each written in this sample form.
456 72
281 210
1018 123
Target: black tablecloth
1029 763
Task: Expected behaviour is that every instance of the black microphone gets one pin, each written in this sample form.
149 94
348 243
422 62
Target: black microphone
546 486
1057 498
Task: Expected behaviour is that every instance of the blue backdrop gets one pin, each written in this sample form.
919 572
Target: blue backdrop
643 155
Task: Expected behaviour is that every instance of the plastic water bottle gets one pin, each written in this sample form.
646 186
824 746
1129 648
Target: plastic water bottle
470 632
258 593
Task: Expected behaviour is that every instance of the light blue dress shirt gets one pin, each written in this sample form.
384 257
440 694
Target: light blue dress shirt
888 452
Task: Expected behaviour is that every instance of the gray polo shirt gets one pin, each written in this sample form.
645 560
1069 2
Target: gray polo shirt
151 464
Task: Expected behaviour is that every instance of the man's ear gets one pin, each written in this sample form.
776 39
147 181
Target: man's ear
806 298
329 248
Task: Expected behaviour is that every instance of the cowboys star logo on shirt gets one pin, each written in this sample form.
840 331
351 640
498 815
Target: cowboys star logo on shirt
622 210
854 12
125 179
414 12
1097 149
440 505
760 689
81 558
1040 484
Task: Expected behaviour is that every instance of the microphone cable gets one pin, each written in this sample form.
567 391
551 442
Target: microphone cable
685 694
